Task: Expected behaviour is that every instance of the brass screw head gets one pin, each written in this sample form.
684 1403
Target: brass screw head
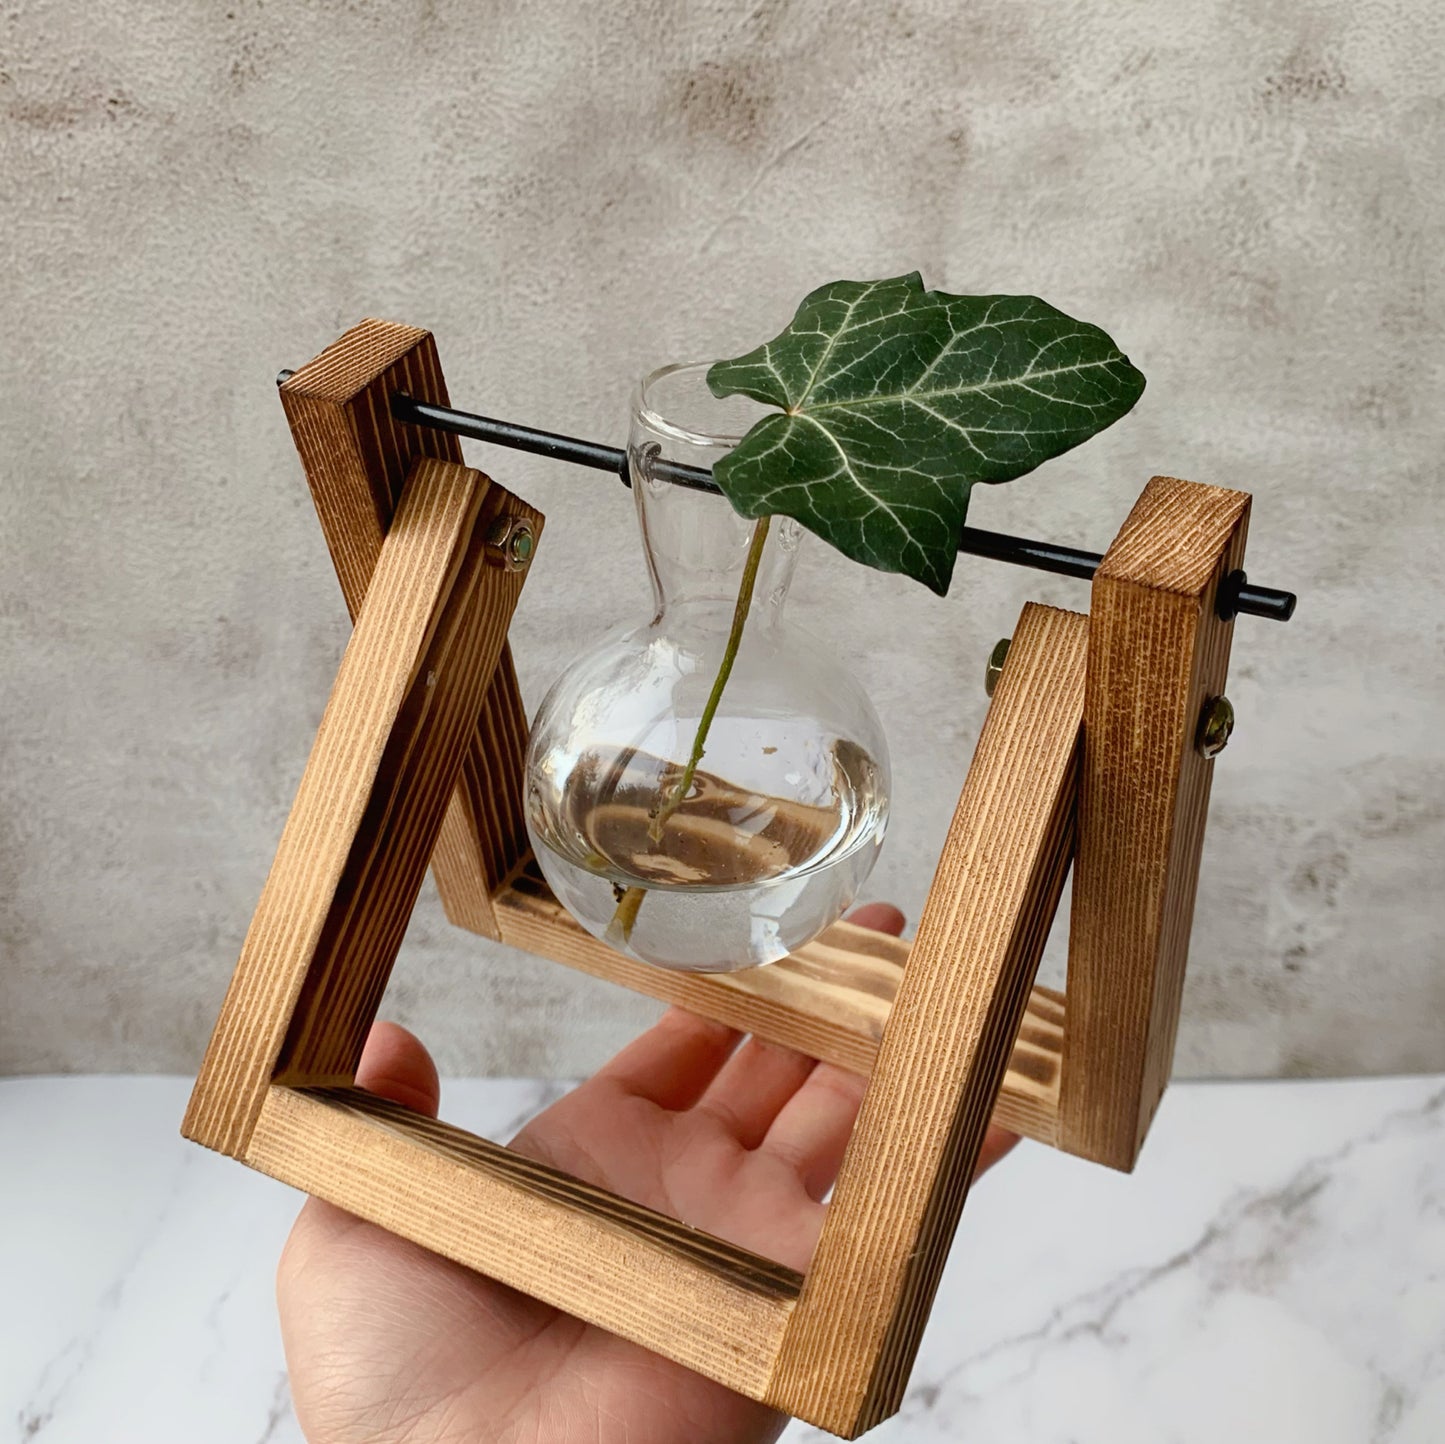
1216 722
510 543
994 670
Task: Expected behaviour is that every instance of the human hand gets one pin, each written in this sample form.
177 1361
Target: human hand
387 1342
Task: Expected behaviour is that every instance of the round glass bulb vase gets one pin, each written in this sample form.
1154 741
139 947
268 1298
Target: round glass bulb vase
766 839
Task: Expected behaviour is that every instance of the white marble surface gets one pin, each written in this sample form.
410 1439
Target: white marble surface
1273 1272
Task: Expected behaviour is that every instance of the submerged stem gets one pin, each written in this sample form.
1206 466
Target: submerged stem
625 917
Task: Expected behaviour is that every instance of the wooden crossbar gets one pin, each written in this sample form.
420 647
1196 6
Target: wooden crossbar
829 1000
707 1304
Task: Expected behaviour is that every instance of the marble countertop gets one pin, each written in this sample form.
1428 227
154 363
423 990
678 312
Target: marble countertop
1273 1272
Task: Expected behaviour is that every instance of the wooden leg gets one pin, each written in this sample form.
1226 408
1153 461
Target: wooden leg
369 807
356 458
1157 652
850 1344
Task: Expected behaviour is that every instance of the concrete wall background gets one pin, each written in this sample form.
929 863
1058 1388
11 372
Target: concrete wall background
1246 193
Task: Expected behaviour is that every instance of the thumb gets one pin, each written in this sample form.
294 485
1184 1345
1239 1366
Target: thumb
395 1065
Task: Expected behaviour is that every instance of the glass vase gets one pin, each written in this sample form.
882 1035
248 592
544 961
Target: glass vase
740 856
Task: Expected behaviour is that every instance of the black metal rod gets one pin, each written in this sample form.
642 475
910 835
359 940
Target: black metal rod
1236 595
544 443
506 433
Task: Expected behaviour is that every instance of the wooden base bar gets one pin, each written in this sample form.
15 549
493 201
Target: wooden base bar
830 1000
707 1304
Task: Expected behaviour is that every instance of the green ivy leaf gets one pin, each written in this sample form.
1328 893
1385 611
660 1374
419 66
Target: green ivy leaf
896 400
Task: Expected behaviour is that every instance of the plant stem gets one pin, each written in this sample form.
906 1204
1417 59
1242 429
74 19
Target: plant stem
730 653
619 930
625 917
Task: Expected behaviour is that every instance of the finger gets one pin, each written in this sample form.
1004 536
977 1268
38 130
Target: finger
760 1078
880 916
395 1065
997 1143
812 1130
752 1088
673 1062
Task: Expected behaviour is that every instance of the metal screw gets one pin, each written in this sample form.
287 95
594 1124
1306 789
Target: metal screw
510 543
994 670
1216 722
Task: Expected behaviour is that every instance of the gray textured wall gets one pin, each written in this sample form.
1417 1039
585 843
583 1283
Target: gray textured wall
1246 194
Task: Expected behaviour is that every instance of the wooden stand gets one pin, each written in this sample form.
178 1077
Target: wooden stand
1089 753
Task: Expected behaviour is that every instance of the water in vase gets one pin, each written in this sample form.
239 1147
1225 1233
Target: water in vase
740 874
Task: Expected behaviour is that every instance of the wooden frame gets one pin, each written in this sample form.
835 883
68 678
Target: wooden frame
1088 751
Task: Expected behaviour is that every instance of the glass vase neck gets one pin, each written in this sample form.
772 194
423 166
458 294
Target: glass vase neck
697 546
697 550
